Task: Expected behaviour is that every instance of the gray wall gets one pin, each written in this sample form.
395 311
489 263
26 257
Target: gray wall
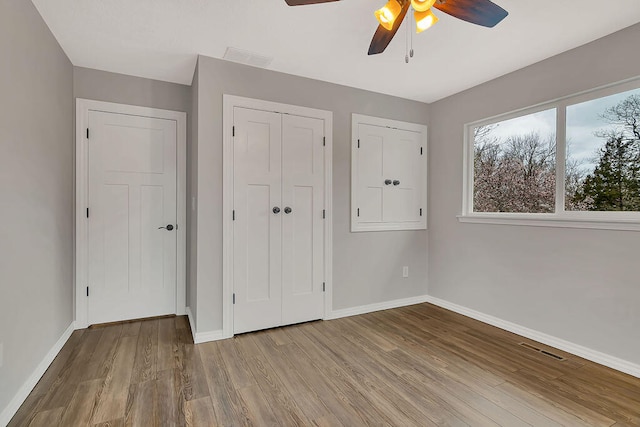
36 193
123 89
367 266
576 284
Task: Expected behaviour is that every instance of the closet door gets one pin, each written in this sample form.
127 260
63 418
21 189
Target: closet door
302 220
257 228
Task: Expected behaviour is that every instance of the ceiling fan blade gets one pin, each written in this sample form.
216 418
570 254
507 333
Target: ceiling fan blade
304 2
383 37
480 12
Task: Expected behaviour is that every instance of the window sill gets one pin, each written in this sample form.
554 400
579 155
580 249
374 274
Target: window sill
552 221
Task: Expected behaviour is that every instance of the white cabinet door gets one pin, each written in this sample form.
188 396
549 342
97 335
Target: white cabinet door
371 173
257 230
131 193
278 266
302 226
402 165
388 175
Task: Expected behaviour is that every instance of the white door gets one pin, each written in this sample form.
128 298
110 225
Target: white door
257 228
132 217
302 222
277 228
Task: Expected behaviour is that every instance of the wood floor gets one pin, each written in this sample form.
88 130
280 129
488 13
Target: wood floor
418 365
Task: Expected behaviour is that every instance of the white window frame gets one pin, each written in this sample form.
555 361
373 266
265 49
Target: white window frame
561 217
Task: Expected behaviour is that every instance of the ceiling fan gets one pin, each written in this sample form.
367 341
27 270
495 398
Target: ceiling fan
480 12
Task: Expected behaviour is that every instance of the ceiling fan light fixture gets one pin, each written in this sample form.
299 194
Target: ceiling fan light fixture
388 14
422 5
424 20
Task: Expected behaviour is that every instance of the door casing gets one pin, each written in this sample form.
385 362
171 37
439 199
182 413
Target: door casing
83 106
229 102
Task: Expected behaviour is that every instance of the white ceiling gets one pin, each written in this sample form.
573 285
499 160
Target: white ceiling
160 39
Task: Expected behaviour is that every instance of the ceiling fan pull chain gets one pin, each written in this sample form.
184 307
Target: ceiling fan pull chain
412 24
407 24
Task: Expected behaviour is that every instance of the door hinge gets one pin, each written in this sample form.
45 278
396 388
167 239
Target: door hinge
358 211
324 287
233 215
87 133
324 141
87 291
358 143
420 211
233 131
87 212
324 214
234 298
421 151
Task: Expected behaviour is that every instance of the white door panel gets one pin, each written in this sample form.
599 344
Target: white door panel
302 229
402 163
131 193
257 270
371 177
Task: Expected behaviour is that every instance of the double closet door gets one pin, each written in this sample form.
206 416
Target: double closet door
278 226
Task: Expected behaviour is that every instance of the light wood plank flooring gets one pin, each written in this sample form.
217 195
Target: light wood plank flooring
418 365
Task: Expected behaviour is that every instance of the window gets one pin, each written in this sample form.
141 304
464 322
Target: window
603 154
514 164
573 162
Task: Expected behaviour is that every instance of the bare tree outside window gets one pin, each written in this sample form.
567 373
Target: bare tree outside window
515 165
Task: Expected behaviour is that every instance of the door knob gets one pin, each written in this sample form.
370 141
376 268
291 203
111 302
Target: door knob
396 182
387 182
287 210
168 227
276 210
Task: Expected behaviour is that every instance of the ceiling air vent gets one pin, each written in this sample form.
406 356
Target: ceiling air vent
246 57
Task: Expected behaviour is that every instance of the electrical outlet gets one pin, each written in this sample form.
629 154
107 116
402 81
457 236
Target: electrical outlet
1 354
405 271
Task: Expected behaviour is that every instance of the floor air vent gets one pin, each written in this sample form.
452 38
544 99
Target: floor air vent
546 353
555 356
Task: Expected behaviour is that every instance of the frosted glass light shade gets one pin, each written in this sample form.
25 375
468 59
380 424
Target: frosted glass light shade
388 14
424 20
422 5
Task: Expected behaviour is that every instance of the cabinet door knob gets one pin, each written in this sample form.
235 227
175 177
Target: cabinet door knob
276 210
287 210
396 182
387 182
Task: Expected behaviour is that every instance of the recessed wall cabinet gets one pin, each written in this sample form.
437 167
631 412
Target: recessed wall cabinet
388 175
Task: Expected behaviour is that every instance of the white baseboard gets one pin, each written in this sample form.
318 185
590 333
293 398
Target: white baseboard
200 337
362 309
27 387
578 350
